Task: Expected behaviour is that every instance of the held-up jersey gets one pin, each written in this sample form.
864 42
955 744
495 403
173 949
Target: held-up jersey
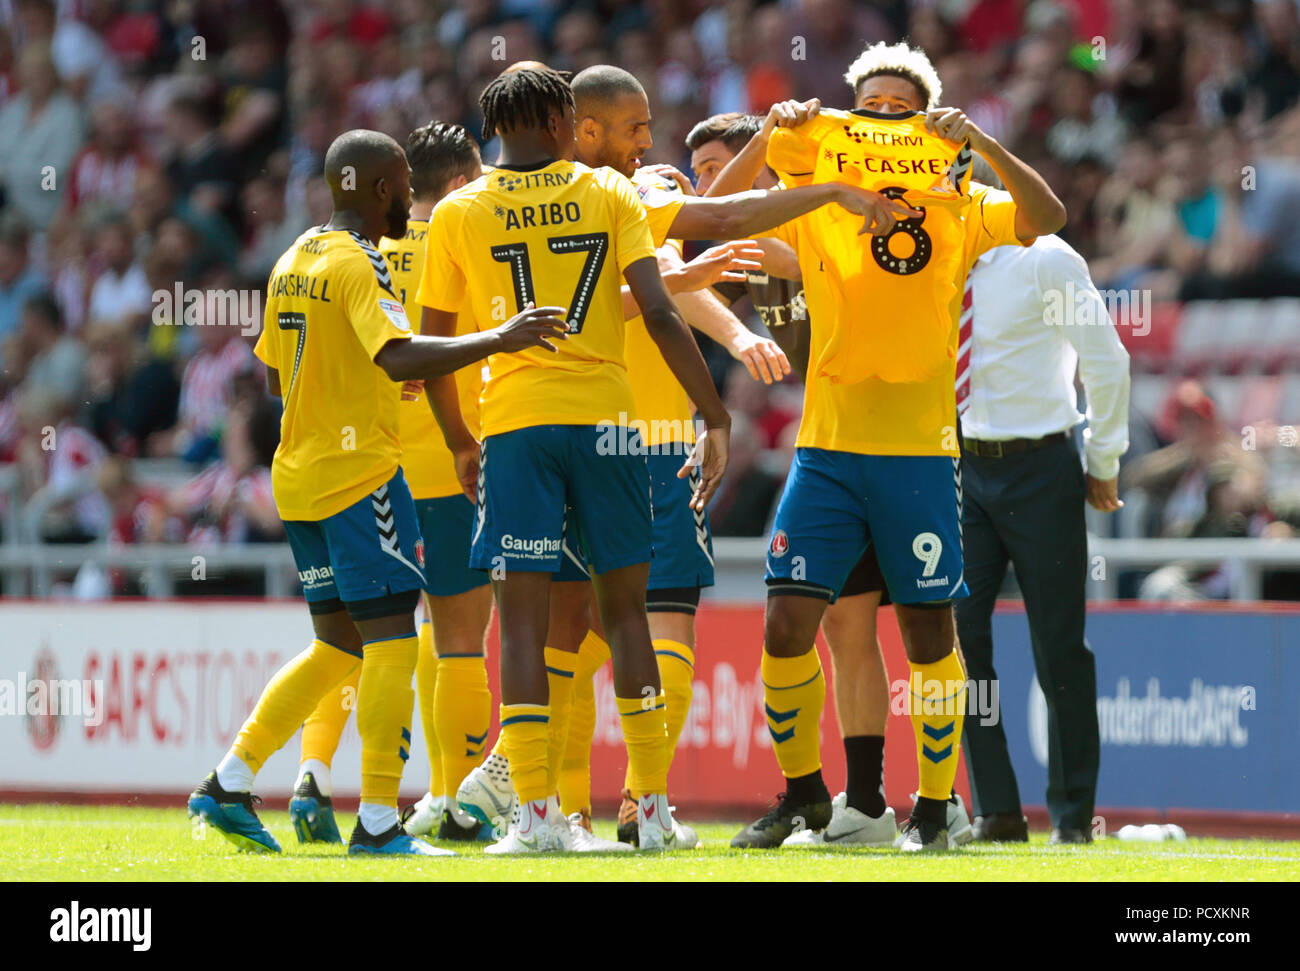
426 461
330 308
661 401
895 290
878 417
556 234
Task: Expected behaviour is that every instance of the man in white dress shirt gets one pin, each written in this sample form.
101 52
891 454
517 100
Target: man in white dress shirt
1031 316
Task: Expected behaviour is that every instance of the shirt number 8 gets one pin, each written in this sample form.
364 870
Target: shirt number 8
922 247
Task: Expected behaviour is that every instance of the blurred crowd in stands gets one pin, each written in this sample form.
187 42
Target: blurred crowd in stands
146 146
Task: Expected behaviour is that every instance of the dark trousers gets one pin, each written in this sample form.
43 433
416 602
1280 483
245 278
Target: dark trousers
1027 510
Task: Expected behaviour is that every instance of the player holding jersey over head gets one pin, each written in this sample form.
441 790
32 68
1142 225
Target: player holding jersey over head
614 131
876 455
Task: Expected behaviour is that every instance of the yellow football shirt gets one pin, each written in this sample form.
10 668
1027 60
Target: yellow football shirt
661 401
330 308
874 416
901 284
556 234
427 463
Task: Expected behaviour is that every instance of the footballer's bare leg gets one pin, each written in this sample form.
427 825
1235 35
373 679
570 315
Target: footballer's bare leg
673 626
861 686
524 608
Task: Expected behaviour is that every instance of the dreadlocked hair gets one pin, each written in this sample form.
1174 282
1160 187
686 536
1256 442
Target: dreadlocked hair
523 99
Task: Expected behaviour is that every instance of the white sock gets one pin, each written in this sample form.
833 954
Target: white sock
234 774
320 771
376 819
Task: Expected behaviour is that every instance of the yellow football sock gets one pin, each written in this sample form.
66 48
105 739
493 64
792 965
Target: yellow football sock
794 690
938 707
464 713
560 667
524 731
288 699
384 702
324 726
645 733
676 672
575 769
426 686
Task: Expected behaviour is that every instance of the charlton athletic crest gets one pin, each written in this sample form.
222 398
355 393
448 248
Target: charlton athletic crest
780 543
419 552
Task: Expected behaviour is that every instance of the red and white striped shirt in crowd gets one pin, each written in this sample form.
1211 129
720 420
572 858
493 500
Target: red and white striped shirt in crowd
97 178
207 387
213 503
70 466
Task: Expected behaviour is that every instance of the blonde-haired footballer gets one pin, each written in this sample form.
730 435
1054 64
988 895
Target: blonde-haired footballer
613 131
875 416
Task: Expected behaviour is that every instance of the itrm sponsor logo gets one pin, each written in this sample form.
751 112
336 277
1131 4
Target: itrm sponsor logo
115 925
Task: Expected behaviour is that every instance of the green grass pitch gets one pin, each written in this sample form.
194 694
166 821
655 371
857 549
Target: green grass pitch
92 843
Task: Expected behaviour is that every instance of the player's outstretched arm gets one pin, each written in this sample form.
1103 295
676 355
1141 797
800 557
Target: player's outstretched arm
702 309
682 355
1038 210
431 357
739 174
752 213
727 262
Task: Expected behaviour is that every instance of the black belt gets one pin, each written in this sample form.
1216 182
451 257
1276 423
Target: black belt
997 450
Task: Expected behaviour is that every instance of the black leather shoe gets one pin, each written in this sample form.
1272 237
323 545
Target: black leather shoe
1000 828
1063 835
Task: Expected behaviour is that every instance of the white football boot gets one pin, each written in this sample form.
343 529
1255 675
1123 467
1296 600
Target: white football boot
654 823
486 793
531 831
849 827
423 818
585 841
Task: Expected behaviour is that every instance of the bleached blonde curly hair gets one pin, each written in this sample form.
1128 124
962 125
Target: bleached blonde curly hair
899 60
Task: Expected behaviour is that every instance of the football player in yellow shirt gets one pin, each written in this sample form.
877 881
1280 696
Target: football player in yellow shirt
614 131
915 531
552 468
451 680
336 342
